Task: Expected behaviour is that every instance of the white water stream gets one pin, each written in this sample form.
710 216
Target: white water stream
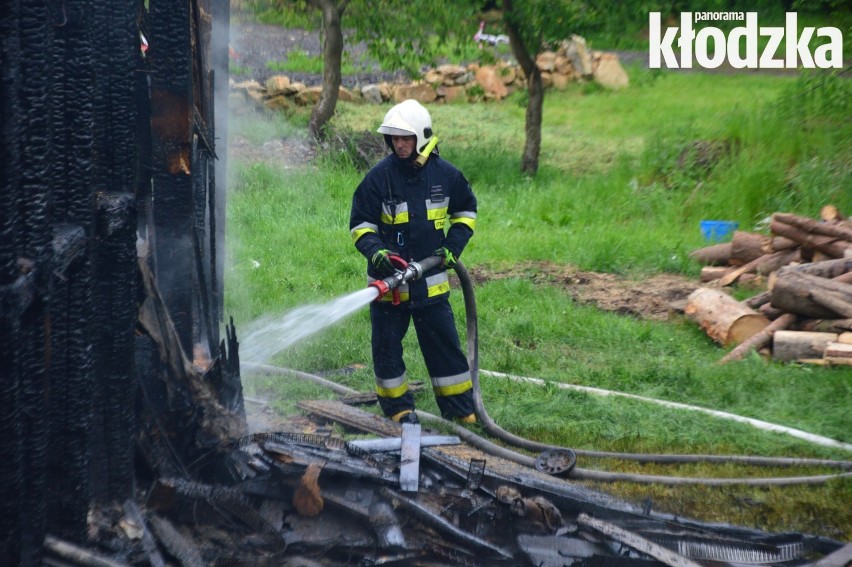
269 335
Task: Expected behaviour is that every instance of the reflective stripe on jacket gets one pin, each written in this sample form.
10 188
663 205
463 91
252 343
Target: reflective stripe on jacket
413 212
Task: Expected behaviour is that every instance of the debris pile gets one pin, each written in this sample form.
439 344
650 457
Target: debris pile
804 313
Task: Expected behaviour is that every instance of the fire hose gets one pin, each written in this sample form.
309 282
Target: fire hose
566 457
415 270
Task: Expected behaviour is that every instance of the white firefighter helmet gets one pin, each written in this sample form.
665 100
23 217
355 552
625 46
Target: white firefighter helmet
408 118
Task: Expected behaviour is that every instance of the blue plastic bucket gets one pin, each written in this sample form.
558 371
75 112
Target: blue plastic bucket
717 230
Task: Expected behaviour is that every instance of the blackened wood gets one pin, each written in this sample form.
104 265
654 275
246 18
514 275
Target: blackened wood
148 543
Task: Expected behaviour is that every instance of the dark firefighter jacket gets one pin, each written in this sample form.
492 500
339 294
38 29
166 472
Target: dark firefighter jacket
407 210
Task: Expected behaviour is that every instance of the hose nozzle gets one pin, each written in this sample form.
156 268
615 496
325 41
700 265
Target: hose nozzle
412 271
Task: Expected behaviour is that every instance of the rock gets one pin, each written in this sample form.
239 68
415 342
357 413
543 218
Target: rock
465 78
372 94
294 88
546 61
575 49
563 65
308 97
277 102
433 77
451 94
277 84
491 83
609 73
560 82
508 74
345 95
420 92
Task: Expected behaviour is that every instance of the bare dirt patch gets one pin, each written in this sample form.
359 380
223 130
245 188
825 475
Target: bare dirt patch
654 297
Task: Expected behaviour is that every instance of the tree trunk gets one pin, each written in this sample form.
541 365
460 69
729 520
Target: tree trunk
717 254
535 90
723 318
811 296
332 55
796 345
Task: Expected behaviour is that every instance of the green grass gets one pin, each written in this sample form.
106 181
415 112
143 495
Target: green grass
618 191
299 61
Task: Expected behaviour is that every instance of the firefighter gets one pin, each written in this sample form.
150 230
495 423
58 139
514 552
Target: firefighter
411 205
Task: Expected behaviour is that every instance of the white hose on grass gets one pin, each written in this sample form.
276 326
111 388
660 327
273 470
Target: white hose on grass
764 425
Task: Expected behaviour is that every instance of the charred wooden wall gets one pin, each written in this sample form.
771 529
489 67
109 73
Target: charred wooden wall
101 145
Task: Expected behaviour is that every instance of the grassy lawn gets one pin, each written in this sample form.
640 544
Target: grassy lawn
620 190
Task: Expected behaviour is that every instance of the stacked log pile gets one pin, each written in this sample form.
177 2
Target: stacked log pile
804 313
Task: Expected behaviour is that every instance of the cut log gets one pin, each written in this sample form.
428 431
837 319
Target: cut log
812 226
794 345
834 247
811 296
770 312
826 269
840 305
830 213
838 350
826 325
715 255
711 273
845 338
748 246
760 339
756 301
723 318
764 265
780 243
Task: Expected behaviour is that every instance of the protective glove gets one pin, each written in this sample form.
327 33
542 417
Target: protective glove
383 262
449 259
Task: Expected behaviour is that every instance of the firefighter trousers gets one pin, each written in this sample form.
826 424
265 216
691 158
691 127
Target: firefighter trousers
439 344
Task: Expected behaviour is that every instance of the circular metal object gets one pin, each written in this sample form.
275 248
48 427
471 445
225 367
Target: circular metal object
556 462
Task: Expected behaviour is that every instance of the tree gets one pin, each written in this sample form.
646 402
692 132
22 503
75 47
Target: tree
532 27
407 35
332 57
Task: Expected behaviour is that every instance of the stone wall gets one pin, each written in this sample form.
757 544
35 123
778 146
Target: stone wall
570 62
